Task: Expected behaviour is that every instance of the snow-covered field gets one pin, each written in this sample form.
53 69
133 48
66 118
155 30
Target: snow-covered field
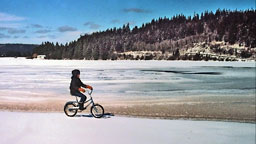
56 128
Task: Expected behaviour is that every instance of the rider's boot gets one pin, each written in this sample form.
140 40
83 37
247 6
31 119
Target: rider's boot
81 106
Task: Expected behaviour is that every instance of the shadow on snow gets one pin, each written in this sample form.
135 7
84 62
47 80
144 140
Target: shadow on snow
105 116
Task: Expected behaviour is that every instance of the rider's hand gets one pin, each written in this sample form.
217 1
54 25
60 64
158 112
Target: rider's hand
89 87
81 89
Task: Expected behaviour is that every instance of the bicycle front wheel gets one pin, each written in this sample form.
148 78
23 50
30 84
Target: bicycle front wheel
97 111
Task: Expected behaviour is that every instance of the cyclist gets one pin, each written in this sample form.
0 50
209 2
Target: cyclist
75 87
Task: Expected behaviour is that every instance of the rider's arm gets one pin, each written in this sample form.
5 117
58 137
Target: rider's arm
89 87
84 85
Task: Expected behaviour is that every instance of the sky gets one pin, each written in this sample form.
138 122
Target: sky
36 21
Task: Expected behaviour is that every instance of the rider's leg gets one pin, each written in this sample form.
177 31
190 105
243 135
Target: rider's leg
82 99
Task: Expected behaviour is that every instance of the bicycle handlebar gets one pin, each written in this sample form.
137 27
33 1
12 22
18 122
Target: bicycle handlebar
90 92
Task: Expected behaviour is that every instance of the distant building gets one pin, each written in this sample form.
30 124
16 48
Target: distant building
41 56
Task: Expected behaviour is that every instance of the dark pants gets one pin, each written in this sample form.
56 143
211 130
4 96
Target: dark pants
82 99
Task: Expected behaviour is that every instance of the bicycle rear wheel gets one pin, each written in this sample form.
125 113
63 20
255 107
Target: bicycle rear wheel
97 111
70 110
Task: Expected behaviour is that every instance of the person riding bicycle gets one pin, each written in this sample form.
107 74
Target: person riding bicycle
75 87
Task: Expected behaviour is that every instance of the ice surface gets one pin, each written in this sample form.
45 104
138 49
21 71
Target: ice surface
24 77
56 128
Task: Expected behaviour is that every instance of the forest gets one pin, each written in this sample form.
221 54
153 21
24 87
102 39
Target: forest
223 32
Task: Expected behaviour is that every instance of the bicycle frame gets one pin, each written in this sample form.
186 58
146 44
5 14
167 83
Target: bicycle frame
90 100
71 107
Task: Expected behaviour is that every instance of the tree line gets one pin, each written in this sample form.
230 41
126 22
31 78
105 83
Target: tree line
162 34
16 50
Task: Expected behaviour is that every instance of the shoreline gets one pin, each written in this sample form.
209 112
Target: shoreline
185 60
141 117
218 108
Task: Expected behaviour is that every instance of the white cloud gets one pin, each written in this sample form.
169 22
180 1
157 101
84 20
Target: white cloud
10 17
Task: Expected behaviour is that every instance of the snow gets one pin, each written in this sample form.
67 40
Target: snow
56 128
120 64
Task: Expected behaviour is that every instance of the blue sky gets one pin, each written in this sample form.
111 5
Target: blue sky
35 21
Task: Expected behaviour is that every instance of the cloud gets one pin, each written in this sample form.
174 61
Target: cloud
131 23
12 30
4 36
92 25
3 28
15 31
43 31
25 37
136 10
42 36
66 29
36 26
10 25
115 21
52 36
16 37
10 17
47 36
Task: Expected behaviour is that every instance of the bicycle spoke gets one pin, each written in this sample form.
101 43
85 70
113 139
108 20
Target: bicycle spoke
95 109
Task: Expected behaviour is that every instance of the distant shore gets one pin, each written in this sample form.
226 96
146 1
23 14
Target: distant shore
217 108
185 60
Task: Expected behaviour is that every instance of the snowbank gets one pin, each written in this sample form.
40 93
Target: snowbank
56 128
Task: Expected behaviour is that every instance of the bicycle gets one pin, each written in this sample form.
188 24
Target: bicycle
71 107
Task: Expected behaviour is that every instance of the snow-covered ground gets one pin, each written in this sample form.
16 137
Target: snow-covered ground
56 128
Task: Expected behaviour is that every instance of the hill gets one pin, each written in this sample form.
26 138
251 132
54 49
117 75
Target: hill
16 50
223 35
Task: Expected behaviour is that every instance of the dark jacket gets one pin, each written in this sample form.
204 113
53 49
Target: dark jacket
75 84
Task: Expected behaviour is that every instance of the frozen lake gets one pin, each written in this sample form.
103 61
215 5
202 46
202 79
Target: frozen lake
127 79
